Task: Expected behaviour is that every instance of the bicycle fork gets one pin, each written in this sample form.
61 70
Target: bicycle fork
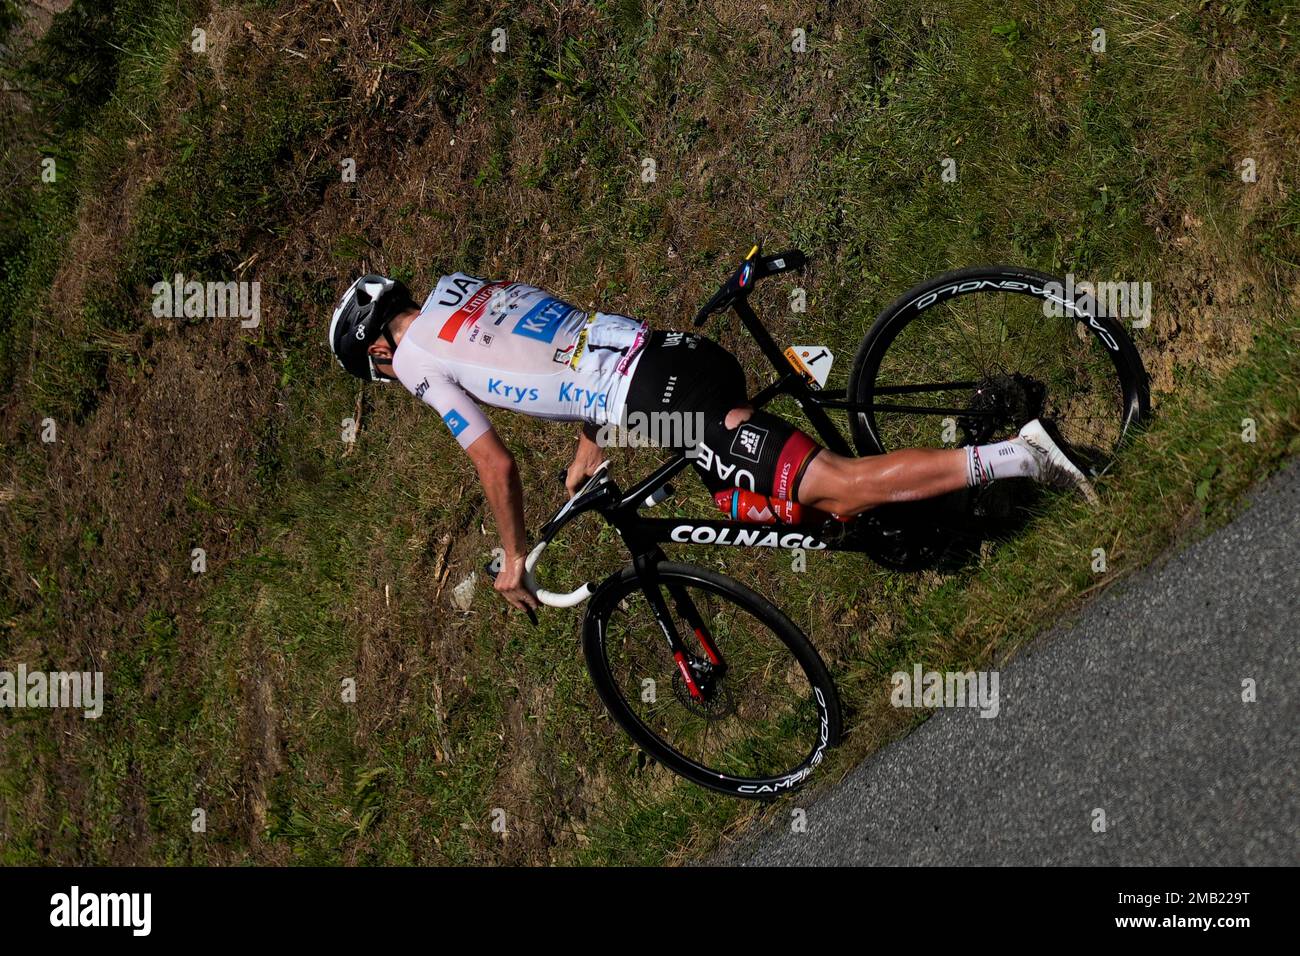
676 646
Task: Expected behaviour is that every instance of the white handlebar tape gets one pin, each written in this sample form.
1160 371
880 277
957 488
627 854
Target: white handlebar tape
552 598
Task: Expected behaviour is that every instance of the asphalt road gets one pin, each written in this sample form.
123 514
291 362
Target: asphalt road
1134 708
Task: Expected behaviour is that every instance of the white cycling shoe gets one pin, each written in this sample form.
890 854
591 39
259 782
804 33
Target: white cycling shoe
1053 467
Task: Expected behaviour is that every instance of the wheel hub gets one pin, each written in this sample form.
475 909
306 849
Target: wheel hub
1006 402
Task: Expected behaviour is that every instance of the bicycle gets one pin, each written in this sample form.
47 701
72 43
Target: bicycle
714 674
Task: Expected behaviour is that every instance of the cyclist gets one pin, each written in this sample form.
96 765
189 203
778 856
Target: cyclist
513 345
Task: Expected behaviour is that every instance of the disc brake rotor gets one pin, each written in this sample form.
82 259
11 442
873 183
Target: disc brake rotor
715 701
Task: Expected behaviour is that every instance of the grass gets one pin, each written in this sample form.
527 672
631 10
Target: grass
330 562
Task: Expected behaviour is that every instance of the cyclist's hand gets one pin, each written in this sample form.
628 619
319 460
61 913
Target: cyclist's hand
510 585
585 462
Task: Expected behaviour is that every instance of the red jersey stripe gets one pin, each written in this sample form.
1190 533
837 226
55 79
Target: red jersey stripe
468 312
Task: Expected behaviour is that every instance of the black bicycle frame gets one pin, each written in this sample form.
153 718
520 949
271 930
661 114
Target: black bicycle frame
642 535
814 403
789 382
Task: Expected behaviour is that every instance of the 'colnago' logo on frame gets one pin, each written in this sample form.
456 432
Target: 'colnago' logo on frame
745 537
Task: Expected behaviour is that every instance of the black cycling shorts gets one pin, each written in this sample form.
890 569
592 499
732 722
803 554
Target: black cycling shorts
684 373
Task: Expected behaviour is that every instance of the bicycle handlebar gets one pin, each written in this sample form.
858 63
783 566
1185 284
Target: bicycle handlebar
554 598
598 489
741 282
549 598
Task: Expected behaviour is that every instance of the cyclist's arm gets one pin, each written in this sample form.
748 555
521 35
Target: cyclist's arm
499 475
585 460
427 379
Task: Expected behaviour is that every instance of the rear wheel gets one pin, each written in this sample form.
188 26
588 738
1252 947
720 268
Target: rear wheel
749 711
970 356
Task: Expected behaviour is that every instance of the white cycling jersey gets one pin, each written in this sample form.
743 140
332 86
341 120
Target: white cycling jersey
515 346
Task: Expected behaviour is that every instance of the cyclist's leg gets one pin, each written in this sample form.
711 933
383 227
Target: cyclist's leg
848 486
794 467
759 452
755 451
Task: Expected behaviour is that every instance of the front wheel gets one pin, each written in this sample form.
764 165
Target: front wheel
747 708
